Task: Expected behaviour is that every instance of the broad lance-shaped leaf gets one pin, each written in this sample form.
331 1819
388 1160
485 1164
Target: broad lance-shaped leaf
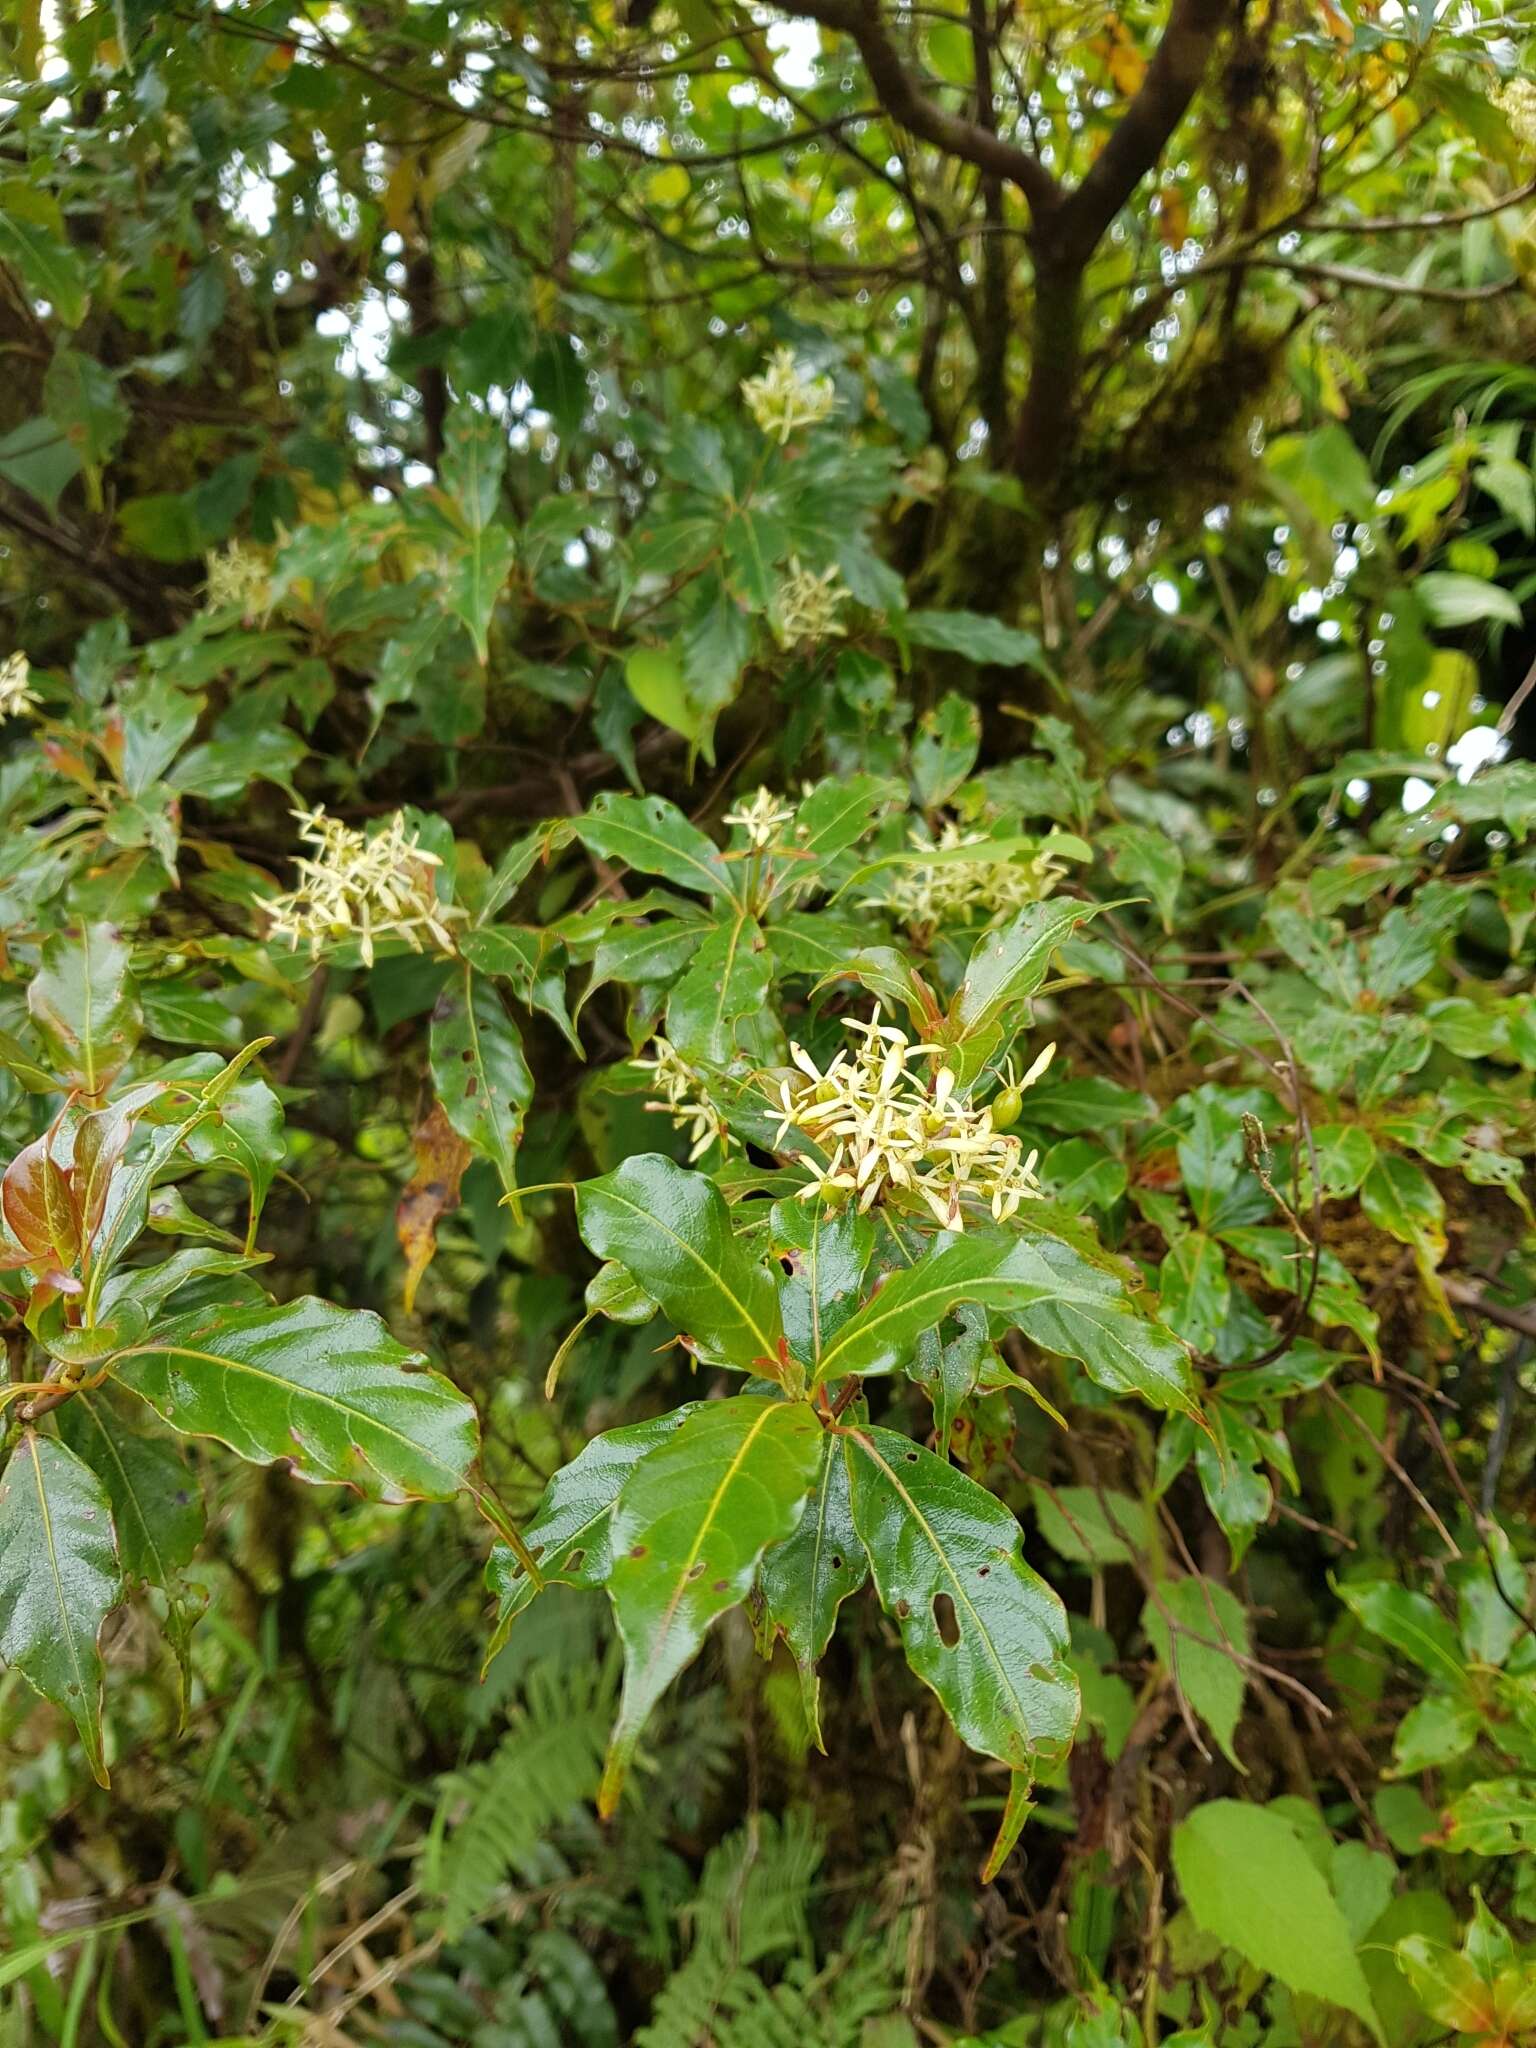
806 1578
569 1533
59 1579
999 1272
978 1626
671 1231
83 1001
478 1070
1247 1878
1007 965
1086 1316
691 1524
729 979
652 835
324 1387
157 1508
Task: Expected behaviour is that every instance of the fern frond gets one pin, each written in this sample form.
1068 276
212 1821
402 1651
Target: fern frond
490 1815
751 1905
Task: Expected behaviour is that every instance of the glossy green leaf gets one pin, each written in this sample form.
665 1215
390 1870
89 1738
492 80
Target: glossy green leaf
1007 966
692 1522
157 1505
83 1001
1000 1272
830 1250
326 1388
671 1231
59 1579
652 835
978 1626
1248 1880
806 1578
1089 1318
1194 1290
478 1070
570 1532
728 980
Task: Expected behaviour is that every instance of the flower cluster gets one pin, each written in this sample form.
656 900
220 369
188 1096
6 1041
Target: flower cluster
762 818
237 581
16 692
783 397
362 887
684 1099
1516 101
951 892
805 605
886 1127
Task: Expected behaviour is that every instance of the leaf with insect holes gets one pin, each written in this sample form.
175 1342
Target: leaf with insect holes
59 1579
806 1578
326 1388
571 1528
978 1626
671 1232
690 1527
652 835
479 1072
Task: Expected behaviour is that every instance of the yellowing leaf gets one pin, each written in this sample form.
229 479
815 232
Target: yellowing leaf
400 194
669 186
441 1158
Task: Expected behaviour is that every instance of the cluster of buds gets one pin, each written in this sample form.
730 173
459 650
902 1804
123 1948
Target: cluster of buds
1516 101
762 818
237 581
364 888
16 692
951 892
684 1099
887 1128
783 398
805 605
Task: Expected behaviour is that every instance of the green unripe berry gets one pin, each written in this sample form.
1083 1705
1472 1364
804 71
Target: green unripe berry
1005 1109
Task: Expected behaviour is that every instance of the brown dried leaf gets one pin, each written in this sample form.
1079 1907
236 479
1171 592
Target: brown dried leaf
433 1191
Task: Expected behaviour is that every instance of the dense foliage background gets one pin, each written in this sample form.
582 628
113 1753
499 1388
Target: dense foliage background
659 601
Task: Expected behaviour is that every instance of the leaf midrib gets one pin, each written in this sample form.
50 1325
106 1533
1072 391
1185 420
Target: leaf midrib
292 1388
959 1594
769 1346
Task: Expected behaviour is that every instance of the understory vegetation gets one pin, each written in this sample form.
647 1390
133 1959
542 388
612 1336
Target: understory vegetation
767 928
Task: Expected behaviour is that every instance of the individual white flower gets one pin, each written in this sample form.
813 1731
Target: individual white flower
362 886
16 692
931 895
805 605
237 581
887 1128
761 818
684 1098
783 396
